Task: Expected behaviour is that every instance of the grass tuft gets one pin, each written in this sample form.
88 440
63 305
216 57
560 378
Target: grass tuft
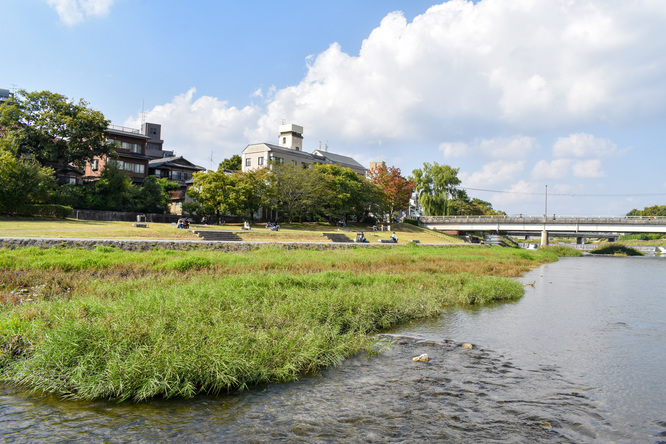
124 325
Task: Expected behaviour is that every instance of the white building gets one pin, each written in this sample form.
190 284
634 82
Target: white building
290 150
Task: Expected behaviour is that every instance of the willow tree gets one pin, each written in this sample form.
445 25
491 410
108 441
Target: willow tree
435 185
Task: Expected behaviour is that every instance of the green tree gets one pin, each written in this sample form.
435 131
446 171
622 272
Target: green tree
211 190
654 210
21 181
234 163
435 187
296 190
154 196
52 129
249 192
345 192
114 190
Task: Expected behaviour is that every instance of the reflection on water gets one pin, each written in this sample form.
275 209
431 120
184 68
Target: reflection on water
578 359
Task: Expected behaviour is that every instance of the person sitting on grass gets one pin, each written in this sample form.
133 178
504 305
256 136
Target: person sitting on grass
394 238
246 226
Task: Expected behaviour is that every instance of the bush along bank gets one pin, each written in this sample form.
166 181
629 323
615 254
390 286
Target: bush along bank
125 325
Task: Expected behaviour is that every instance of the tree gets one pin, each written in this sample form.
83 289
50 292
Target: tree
435 186
22 181
249 192
51 129
154 196
345 192
654 210
113 191
211 190
395 189
296 190
234 163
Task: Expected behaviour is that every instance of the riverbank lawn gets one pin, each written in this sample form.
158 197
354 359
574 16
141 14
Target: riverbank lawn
134 325
289 232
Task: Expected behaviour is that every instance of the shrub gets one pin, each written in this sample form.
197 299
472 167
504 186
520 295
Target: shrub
617 250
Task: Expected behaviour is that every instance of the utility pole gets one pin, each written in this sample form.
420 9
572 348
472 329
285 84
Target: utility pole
544 233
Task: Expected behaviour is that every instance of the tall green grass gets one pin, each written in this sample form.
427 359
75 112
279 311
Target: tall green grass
202 322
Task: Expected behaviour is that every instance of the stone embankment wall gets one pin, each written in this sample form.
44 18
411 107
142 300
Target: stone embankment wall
123 216
146 245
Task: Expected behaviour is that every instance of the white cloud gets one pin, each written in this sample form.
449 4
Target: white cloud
73 12
584 145
557 169
454 149
508 147
492 173
588 169
461 67
197 128
461 72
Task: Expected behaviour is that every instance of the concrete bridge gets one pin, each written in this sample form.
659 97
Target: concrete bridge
564 226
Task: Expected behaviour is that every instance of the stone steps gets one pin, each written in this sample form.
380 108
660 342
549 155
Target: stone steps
337 237
213 235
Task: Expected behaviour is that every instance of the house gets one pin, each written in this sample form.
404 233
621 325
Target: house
176 169
5 95
130 154
289 150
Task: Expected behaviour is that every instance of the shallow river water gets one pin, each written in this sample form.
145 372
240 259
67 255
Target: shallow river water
580 358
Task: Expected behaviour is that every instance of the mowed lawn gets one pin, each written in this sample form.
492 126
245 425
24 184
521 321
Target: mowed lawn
296 232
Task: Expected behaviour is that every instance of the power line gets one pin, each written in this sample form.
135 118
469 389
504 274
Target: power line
564 194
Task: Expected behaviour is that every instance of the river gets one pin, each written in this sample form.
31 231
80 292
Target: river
580 358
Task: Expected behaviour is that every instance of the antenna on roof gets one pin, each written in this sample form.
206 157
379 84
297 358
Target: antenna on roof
327 146
211 159
143 113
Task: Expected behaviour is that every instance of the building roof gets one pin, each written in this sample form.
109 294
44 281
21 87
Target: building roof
175 161
338 158
316 156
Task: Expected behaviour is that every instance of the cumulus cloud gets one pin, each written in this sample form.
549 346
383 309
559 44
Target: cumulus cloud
588 169
499 171
73 12
584 145
557 169
454 149
452 81
508 147
536 64
202 126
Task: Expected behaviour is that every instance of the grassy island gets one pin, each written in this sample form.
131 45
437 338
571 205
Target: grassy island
125 325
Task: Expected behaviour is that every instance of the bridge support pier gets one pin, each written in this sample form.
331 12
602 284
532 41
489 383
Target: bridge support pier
544 238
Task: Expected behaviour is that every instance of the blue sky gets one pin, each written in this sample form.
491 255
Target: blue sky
518 94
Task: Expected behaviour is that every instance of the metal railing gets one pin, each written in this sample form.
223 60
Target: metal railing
647 220
125 129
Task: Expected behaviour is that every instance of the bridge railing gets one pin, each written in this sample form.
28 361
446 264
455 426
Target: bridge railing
640 220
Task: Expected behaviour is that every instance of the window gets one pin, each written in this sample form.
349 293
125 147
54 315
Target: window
248 162
293 162
132 147
180 175
284 141
127 166
94 165
260 161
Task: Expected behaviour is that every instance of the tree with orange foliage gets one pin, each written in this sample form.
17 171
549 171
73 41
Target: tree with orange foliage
396 190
